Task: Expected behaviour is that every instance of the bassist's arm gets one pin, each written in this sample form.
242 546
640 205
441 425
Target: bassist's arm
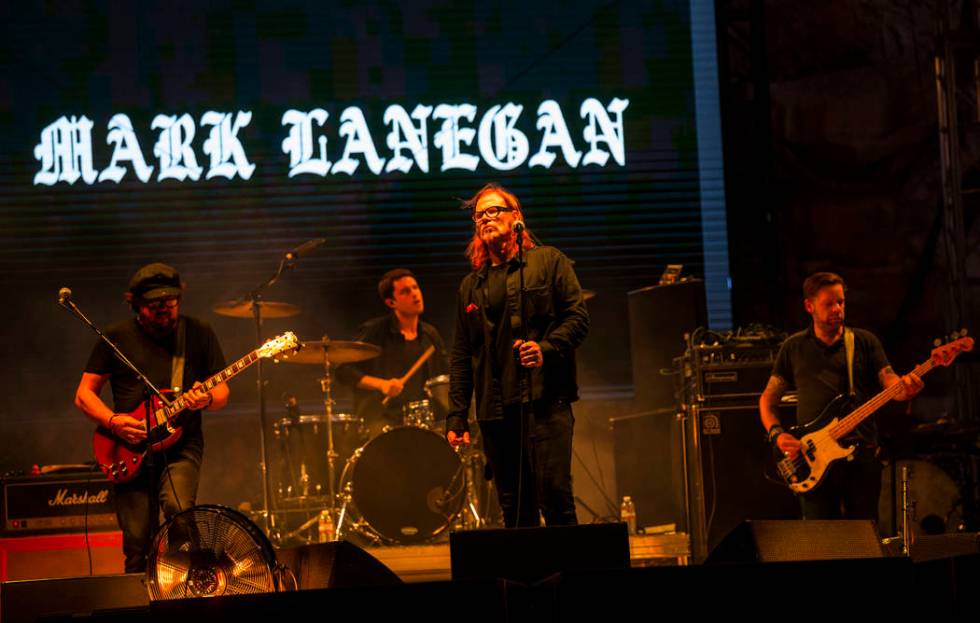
913 384
769 413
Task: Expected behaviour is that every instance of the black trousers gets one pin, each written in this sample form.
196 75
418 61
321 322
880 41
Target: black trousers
850 490
531 463
174 477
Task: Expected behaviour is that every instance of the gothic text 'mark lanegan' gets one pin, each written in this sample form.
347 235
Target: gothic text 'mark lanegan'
65 148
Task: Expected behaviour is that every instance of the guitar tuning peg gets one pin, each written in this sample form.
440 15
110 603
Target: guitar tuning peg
937 342
963 332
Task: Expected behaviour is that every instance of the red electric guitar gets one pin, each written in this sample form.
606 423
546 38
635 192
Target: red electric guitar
122 461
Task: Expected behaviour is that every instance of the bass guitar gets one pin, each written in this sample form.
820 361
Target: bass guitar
820 439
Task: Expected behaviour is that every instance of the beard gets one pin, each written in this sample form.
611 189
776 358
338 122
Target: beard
159 325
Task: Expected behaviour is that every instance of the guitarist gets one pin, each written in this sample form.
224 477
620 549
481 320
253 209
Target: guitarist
814 361
150 341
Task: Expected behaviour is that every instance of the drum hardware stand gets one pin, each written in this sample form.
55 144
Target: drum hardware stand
327 391
471 520
908 509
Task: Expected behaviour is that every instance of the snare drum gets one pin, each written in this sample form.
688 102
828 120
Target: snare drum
303 454
437 389
405 485
418 414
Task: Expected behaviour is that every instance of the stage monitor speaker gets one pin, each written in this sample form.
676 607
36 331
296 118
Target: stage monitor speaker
928 547
335 564
649 461
659 318
812 539
731 473
30 600
528 555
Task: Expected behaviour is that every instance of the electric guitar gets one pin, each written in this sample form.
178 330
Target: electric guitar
122 461
819 439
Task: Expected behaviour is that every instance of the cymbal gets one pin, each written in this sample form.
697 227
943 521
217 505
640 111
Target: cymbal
268 309
588 294
336 350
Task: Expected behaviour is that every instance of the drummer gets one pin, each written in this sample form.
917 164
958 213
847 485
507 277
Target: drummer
403 338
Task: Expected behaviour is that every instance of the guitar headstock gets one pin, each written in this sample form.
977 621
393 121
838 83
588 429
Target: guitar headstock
277 345
945 354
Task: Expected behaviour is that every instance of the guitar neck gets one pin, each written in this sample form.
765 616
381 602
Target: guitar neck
850 422
180 403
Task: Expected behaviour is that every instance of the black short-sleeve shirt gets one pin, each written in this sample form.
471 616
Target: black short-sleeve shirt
203 358
819 372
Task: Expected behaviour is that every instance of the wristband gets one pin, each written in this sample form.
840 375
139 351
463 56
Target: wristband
775 432
109 423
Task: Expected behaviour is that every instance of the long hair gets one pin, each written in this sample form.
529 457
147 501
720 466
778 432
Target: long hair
476 250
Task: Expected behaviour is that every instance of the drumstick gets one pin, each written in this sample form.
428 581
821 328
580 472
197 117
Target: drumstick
415 368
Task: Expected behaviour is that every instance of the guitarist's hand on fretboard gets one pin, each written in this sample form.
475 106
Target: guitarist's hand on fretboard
196 398
788 445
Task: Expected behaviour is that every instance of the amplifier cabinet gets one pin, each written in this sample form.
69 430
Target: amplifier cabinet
57 503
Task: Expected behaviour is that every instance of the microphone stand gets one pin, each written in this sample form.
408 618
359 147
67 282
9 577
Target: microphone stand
255 298
525 384
288 261
149 390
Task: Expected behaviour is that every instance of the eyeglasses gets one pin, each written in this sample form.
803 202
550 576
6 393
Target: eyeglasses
164 304
491 212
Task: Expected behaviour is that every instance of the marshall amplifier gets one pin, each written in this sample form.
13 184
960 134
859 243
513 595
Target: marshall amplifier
57 503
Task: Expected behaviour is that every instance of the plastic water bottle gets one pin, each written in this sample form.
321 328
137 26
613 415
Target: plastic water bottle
325 527
627 514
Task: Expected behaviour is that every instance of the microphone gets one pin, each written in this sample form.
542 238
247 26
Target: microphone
518 227
64 296
305 248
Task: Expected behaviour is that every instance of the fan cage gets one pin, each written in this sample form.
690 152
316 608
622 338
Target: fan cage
210 551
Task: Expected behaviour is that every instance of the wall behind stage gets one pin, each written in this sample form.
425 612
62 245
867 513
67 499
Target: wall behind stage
217 139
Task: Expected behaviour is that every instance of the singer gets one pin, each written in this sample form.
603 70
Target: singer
523 388
173 351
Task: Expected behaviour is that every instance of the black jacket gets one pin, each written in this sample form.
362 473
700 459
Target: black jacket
556 318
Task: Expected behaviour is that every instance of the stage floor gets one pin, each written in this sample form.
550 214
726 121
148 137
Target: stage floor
427 563
46 556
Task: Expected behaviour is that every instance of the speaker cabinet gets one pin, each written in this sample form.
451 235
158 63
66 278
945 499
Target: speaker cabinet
813 539
334 565
731 474
60 555
659 318
649 460
30 600
527 555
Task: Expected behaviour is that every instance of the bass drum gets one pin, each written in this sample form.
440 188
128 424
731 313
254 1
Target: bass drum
406 485
935 494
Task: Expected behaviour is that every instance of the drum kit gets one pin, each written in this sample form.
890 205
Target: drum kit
406 485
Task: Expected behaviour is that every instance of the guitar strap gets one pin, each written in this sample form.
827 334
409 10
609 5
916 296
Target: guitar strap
849 353
177 364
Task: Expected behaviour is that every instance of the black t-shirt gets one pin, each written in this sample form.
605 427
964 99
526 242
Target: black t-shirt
202 358
506 383
819 372
397 356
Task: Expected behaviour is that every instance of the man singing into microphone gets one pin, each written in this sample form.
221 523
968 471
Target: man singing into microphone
523 388
160 342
